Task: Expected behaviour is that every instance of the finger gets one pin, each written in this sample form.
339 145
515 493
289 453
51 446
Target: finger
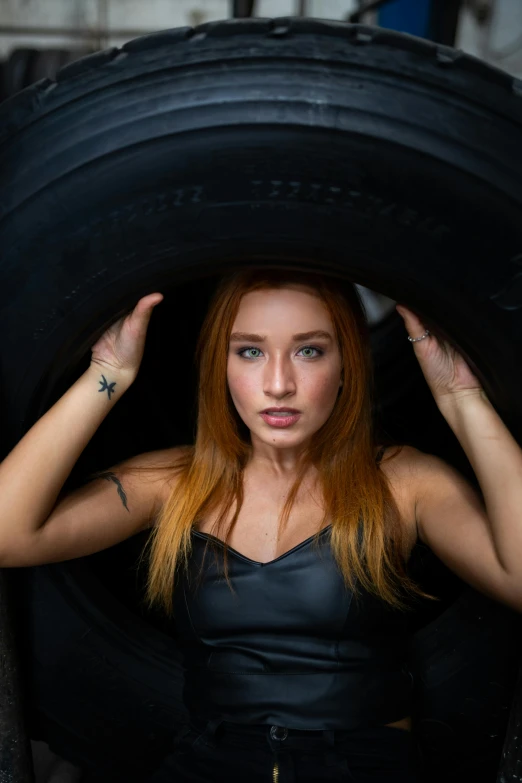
412 322
150 301
146 305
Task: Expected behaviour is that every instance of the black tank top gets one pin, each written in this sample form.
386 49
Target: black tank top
291 646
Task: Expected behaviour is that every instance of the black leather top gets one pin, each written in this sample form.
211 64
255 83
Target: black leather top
291 647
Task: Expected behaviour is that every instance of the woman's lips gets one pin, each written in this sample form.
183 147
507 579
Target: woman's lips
281 420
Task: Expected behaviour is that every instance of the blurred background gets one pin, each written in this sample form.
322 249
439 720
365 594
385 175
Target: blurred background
37 37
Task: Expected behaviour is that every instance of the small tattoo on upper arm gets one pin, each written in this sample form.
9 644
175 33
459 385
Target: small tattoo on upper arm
108 387
109 476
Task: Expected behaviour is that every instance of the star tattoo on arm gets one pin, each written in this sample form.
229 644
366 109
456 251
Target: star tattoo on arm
110 476
108 387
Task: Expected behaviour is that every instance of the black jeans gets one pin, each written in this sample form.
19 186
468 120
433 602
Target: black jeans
222 751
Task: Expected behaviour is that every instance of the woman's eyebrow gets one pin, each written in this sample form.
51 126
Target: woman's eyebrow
259 338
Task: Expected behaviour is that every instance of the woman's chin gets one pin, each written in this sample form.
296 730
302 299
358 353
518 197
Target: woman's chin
279 437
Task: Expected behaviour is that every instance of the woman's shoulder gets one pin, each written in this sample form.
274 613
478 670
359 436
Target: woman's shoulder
401 454
384 453
404 465
405 457
170 461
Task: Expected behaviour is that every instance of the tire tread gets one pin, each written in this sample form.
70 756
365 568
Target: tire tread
25 107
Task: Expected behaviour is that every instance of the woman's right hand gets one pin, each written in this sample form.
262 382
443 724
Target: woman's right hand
121 347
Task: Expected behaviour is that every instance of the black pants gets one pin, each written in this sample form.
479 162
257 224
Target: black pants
233 753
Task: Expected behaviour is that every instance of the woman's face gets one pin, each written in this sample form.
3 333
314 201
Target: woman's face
283 354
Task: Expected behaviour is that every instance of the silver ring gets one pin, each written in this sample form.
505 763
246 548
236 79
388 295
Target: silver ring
274 732
422 337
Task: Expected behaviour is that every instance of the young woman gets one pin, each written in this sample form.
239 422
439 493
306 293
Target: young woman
295 661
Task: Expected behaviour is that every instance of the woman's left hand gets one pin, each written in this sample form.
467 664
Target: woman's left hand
448 375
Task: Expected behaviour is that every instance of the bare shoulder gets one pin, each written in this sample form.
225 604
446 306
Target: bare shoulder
413 473
410 467
401 461
156 462
154 473
404 466
166 464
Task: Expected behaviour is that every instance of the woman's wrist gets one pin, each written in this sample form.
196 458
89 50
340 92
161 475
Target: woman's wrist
112 382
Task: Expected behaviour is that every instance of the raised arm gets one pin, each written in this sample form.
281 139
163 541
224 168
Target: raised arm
34 472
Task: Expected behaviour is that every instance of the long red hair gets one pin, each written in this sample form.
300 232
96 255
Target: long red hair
367 538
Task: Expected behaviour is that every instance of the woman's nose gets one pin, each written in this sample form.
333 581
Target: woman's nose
279 378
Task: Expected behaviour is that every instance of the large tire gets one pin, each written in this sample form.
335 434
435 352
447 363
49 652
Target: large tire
346 148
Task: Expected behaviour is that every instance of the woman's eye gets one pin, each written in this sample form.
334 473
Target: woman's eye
308 352
242 352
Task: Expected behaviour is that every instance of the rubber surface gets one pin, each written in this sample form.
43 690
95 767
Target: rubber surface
364 153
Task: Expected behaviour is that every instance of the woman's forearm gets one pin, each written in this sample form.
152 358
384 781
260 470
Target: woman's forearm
496 459
34 472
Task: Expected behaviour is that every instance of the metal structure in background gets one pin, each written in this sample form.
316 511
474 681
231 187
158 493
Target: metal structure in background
365 7
436 20
82 33
394 14
242 9
444 21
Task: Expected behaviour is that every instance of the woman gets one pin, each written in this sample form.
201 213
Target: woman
295 663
